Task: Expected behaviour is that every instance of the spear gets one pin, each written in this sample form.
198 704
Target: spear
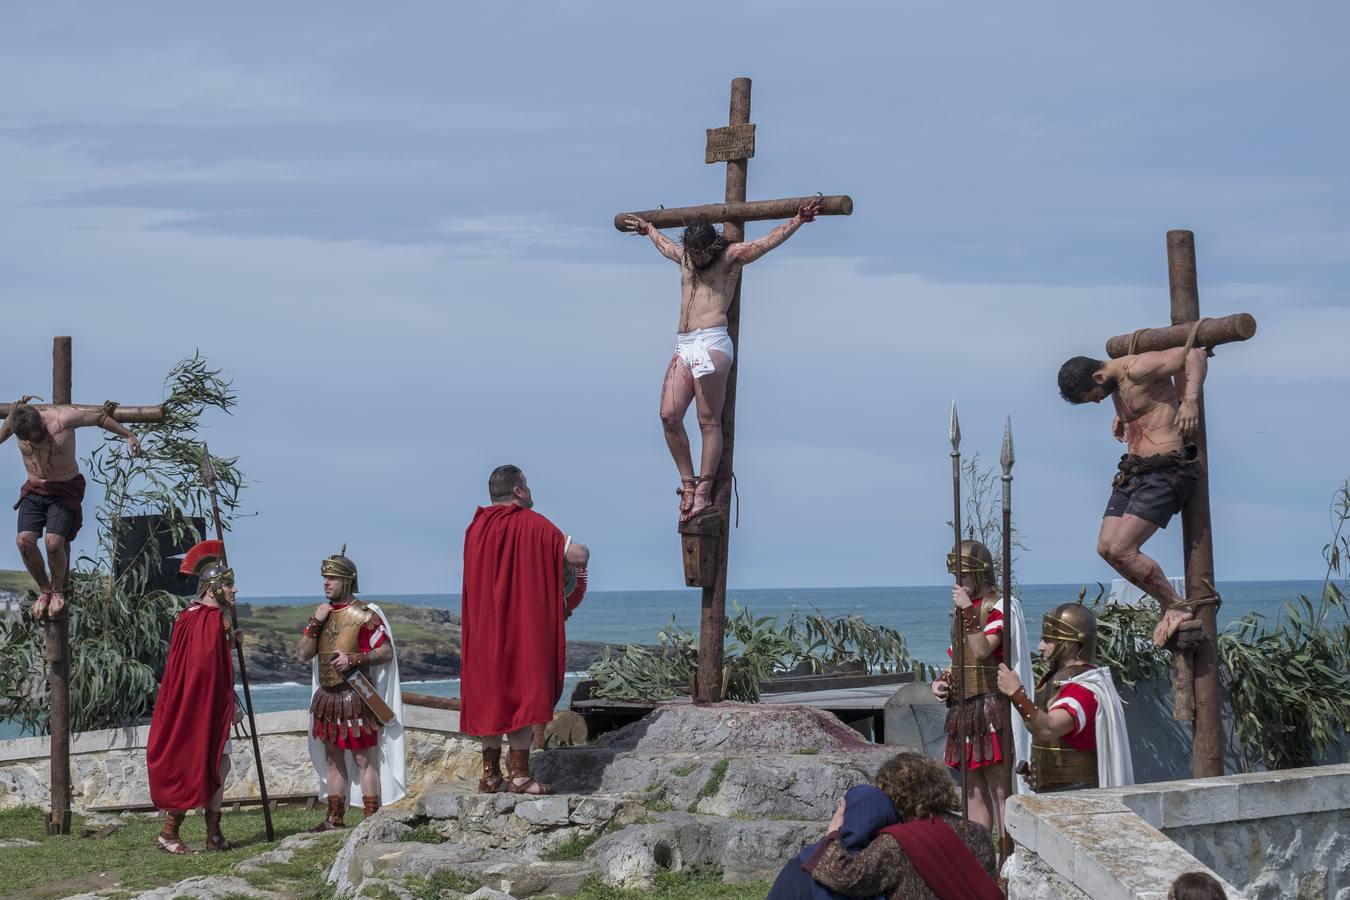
209 476
960 649
1009 647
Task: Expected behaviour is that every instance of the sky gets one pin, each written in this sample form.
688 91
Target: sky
391 228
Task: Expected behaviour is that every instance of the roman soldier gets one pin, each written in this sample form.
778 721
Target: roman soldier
188 753
1077 723
356 733
977 719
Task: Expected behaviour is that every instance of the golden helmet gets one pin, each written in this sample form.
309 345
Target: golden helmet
976 560
339 566
1071 623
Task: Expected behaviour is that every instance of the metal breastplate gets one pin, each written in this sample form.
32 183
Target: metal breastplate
980 675
341 634
1056 766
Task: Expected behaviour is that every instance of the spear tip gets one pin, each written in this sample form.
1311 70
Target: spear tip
1007 455
956 428
208 469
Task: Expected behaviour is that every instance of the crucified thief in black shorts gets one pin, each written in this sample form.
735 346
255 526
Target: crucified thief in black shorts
1154 488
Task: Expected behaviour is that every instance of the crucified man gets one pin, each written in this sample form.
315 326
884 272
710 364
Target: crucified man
710 269
1157 401
50 499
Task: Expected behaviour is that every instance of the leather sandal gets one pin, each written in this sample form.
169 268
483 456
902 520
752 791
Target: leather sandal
176 847
215 840
492 781
518 766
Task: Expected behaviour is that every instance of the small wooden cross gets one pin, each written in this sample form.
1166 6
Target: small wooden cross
705 542
58 630
1195 680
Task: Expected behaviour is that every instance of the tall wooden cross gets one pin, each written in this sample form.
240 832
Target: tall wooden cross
1195 680
705 540
58 630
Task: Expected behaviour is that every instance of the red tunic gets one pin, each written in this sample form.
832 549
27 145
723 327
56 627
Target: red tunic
994 626
1081 703
192 714
370 636
513 647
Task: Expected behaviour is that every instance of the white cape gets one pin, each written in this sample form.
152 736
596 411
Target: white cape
1016 626
1115 768
390 757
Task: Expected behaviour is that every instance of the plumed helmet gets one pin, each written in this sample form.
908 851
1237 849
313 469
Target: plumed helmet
339 566
976 560
1071 623
206 560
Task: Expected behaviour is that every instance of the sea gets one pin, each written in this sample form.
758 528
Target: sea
919 613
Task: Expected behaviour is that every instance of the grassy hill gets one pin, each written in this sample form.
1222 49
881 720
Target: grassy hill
16 580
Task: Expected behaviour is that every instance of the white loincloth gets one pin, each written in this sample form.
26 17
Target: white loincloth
694 347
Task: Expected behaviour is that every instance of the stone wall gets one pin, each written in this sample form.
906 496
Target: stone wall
108 767
1265 835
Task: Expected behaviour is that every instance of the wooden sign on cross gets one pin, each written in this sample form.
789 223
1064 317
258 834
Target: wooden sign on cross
58 629
705 542
1195 682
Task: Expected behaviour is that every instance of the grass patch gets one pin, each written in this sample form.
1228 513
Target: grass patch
711 786
682 771
808 751
424 834
659 806
575 846
424 888
692 884
127 862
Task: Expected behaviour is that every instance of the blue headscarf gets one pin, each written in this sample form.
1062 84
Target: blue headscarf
867 810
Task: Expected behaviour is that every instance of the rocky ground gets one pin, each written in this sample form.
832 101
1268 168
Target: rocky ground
735 788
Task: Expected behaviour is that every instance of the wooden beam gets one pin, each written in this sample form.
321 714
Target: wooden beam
125 414
58 644
1197 540
1213 332
738 210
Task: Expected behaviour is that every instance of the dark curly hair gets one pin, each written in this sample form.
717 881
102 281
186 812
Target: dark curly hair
1075 378
918 786
700 236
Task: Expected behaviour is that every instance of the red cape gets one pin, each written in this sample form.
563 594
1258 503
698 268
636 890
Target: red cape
951 870
513 649
192 712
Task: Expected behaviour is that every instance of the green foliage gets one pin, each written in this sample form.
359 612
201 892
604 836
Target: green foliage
119 633
1290 681
982 490
424 834
757 648
431 888
575 846
713 784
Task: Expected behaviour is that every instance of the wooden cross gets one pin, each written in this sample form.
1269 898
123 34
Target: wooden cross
1195 680
705 541
58 630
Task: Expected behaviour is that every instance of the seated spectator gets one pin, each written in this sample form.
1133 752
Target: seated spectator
932 853
1196 886
862 813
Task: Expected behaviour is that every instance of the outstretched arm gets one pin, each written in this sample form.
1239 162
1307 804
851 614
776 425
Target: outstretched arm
669 249
749 251
103 419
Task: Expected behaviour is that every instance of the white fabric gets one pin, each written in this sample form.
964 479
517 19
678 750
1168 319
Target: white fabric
389 760
693 348
1017 626
1115 767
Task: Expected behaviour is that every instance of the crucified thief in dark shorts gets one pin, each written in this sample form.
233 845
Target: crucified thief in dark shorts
710 269
51 497
1157 402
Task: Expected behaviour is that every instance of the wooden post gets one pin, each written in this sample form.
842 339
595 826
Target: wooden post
58 645
1197 538
712 624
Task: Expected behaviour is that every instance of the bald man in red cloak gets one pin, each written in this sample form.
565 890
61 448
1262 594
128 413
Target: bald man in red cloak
187 754
513 645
